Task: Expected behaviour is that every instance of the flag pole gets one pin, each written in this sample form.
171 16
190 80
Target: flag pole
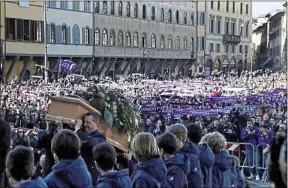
45 42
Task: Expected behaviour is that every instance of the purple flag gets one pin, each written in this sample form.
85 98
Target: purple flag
67 66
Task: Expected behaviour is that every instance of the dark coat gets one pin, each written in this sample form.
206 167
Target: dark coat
118 179
39 183
5 140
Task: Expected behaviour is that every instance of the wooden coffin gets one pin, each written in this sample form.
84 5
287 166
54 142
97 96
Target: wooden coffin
71 109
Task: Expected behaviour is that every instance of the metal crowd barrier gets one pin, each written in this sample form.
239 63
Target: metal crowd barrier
262 153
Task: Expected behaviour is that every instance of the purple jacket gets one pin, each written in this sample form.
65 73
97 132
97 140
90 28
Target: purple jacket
250 138
265 139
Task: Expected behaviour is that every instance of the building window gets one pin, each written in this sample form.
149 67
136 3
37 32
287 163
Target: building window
192 19
212 5
202 44
153 13
241 29
233 7
144 40
76 34
241 8
162 15
120 9
112 8
218 5
219 27
39 29
87 6
177 42
135 39
96 7
128 39
24 3
185 18
76 5
128 9
169 15
233 28
227 6
246 50
233 49
211 47
112 38
97 37
136 10
105 7
240 49
170 42
64 5
202 18
87 36
185 43
247 30
218 48
247 9
52 4
162 42
52 33
144 12
64 34
104 38
120 38
192 44
153 41
26 27
212 25
226 48
177 17
227 28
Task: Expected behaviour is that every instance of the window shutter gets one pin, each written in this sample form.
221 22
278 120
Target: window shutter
58 34
198 17
48 31
92 36
83 35
68 35
74 35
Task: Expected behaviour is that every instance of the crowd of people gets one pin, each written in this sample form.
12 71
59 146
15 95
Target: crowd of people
185 125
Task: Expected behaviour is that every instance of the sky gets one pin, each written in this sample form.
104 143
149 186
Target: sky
259 8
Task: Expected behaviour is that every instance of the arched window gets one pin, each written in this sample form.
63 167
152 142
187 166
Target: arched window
177 45
177 17
135 39
170 42
112 38
104 38
128 9
185 43
120 9
153 13
144 40
162 42
136 10
87 36
97 37
64 34
120 38
112 7
169 15
192 44
185 18
162 15
153 41
192 18
144 12
76 34
53 34
128 39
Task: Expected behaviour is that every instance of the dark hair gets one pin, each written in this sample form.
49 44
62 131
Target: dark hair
95 116
66 144
20 163
249 120
105 156
167 142
195 132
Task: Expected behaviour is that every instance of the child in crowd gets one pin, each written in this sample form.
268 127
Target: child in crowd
150 170
105 159
239 180
70 169
191 150
20 168
178 165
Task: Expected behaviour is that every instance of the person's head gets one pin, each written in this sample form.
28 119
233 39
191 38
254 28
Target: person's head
91 122
20 164
272 122
266 117
144 147
148 121
159 123
180 131
265 129
167 143
282 127
258 119
253 119
194 132
217 142
205 138
65 145
104 155
216 123
249 124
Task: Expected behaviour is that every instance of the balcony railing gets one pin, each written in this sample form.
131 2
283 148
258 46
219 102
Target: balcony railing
231 39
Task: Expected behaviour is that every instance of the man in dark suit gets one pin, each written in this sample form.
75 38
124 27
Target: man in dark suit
89 137
5 140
